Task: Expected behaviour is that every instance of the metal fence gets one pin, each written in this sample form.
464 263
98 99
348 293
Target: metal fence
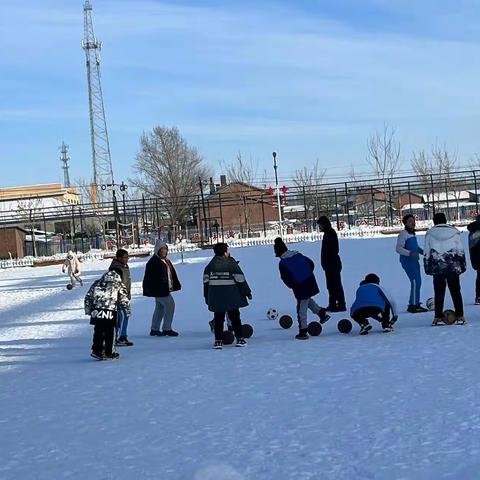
372 202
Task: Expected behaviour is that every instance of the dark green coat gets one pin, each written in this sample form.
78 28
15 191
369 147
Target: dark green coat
224 285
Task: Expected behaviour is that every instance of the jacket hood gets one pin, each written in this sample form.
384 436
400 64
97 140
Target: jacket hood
443 232
288 254
117 264
111 276
159 244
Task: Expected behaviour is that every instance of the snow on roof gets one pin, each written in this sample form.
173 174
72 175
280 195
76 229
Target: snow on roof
414 206
442 196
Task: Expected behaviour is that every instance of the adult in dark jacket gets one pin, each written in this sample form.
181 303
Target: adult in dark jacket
474 247
296 271
120 265
332 266
225 291
159 281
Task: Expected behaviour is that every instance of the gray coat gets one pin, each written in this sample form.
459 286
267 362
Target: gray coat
224 285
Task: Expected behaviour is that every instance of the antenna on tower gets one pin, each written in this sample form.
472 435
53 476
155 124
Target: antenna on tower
65 159
102 162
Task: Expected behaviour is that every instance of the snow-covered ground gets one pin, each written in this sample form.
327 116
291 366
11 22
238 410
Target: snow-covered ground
396 406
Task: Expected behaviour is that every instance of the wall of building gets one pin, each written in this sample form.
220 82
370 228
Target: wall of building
12 241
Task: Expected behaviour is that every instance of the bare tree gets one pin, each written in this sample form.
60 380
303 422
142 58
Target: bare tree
309 180
435 171
241 170
29 211
166 166
384 159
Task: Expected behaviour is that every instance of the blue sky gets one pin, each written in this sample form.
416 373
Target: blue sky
309 79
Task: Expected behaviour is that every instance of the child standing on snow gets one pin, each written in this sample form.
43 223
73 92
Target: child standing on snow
102 302
226 291
372 301
72 267
296 271
409 251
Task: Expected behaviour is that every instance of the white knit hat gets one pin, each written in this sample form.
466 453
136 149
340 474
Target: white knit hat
159 244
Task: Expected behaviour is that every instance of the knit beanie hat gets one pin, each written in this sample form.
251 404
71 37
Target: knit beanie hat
159 244
372 278
279 247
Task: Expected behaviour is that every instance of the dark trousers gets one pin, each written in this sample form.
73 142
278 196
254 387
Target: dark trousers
440 283
103 339
362 315
477 284
219 318
336 296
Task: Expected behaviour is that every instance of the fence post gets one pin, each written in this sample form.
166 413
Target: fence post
221 215
203 209
433 195
158 217
346 205
476 193
305 204
46 236
199 222
81 228
73 229
263 217
138 229
390 200
373 205
446 199
336 208
409 199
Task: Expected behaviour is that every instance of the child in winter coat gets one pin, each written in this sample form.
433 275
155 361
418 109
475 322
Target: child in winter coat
445 261
225 291
296 271
72 267
102 302
409 252
372 301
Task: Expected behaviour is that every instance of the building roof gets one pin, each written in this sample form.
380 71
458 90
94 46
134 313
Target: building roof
47 190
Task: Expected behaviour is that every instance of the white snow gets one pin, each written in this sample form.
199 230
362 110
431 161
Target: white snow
396 406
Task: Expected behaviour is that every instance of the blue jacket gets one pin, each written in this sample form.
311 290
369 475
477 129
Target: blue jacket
372 295
296 271
407 243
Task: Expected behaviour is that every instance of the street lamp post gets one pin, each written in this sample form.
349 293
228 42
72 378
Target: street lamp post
278 194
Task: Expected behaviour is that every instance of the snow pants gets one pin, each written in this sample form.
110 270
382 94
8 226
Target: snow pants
122 323
103 339
302 309
362 315
440 283
412 269
219 318
164 310
336 296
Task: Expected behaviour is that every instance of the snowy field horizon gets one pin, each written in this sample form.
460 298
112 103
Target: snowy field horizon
385 406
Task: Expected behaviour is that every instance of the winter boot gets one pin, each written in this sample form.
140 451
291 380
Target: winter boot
123 342
460 321
387 327
323 315
365 328
438 321
241 342
218 345
302 334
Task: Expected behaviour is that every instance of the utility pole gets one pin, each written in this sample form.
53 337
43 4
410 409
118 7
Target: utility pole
102 162
65 159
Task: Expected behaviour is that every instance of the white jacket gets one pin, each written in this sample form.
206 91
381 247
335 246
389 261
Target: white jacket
444 252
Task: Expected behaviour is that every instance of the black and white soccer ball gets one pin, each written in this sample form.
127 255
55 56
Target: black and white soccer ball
272 314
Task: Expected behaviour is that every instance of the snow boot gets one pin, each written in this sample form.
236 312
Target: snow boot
302 334
218 345
323 315
365 328
241 342
96 356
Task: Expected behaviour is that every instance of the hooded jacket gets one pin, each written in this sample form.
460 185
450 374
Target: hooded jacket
155 281
224 285
126 277
71 265
406 244
444 251
296 271
105 297
474 243
372 295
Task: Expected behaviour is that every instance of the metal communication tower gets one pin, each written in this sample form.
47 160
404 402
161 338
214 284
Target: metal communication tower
102 162
65 159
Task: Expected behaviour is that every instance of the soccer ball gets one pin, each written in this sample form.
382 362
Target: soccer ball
431 304
69 286
272 314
